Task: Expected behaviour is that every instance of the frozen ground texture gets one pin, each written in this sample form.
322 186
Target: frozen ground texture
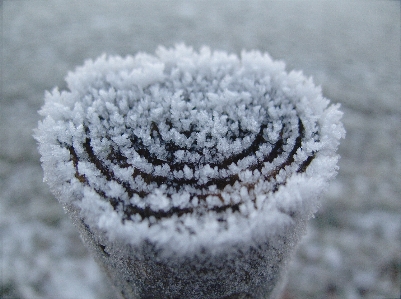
352 249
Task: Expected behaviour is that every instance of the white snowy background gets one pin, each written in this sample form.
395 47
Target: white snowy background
351 48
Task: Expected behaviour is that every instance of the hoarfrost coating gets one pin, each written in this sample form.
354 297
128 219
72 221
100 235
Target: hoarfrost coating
189 148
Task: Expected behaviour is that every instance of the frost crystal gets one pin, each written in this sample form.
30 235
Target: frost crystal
188 144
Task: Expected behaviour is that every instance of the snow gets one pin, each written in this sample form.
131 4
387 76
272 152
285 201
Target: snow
350 48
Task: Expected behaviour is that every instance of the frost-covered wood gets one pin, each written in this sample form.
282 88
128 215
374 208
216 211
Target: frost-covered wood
200 167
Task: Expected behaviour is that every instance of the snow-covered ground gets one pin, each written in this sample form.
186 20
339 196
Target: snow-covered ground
351 48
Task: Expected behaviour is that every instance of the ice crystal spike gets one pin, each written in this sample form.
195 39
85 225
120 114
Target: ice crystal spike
189 174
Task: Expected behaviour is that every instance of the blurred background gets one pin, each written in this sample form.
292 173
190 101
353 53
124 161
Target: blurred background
351 48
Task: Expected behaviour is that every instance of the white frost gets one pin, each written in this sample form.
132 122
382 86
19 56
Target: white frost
170 132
